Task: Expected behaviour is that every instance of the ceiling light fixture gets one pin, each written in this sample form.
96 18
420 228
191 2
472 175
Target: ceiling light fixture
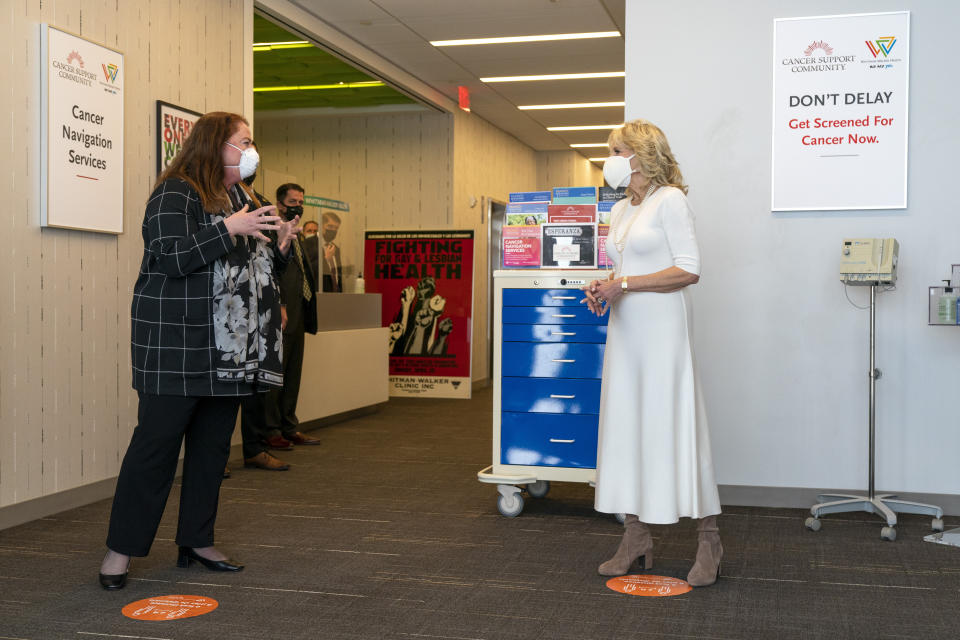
270 46
556 76
311 87
515 39
585 145
588 127
597 159
580 105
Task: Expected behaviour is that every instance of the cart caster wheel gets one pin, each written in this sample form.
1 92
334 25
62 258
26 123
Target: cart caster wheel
620 517
937 524
813 524
888 533
539 489
510 507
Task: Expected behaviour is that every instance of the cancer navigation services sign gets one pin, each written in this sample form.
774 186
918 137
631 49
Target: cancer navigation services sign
840 97
81 133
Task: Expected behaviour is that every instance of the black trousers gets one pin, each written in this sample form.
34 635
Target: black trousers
204 425
281 404
253 423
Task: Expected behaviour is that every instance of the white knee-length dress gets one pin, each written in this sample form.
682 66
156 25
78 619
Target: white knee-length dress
653 455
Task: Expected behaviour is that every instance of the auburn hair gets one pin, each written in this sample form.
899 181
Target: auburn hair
200 161
654 156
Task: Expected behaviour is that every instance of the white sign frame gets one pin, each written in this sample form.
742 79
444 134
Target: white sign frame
81 77
798 182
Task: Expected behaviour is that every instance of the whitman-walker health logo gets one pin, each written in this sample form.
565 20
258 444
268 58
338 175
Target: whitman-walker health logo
110 71
881 45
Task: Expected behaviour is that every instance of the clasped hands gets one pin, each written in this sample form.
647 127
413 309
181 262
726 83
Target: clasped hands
253 223
600 294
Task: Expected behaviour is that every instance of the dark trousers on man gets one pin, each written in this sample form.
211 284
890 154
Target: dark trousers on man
204 425
281 408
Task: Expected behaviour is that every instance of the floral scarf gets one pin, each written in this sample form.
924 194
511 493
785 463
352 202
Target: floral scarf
246 314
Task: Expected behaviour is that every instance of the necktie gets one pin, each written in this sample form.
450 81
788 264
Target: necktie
307 293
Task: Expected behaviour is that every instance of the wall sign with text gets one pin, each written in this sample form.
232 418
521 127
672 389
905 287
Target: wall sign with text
840 104
173 127
81 133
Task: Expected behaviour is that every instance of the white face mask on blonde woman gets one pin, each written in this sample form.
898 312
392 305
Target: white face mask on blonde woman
617 171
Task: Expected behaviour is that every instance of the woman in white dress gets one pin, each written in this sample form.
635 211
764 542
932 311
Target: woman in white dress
653 456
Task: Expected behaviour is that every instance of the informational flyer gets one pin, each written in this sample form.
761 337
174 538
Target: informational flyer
572 213
426 280
604 207
568 246
575 195
521 234
530 196
609 194
840 105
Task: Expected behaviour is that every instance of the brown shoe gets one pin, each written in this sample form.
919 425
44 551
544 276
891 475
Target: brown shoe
299 438
636 549
279 443
706 569
264 460
226 472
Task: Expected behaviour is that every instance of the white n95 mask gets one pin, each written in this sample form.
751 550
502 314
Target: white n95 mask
617 171
249 161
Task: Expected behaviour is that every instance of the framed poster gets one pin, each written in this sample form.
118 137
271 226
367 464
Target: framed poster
173 127
840 108
81 133
426 280
568 246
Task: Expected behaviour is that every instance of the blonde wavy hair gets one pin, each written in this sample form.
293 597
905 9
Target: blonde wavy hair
647 141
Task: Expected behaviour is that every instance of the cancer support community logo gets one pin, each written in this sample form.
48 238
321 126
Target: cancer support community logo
110 71
74 58
881 45
818 44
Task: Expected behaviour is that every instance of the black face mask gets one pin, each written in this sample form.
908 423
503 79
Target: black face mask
292 212
328 235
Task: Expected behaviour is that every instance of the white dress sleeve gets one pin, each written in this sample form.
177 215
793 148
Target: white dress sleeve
677 219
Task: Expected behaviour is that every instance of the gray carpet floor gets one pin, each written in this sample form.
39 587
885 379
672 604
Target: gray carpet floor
384 532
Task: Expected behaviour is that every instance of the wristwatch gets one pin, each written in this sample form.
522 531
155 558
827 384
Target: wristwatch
623 284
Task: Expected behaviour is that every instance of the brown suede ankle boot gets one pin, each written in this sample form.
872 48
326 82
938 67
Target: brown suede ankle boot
635 544
709 551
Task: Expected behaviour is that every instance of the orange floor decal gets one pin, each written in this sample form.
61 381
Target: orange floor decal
644 585
169 607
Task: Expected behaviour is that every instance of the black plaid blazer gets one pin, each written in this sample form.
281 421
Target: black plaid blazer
172 341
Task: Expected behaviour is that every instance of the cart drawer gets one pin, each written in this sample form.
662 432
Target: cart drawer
550 395
552 360
542 297
551 315
554 333
548 440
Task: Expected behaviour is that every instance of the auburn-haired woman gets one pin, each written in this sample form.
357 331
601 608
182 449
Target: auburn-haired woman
206 331
653 457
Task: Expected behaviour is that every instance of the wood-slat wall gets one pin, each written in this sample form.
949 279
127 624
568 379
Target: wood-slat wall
66 406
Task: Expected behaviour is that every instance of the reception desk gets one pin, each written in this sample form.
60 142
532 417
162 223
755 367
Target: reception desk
345 363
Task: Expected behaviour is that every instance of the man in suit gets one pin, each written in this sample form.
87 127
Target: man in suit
311 247
298 317
330 224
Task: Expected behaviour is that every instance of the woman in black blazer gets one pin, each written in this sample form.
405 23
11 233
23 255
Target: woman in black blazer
205 331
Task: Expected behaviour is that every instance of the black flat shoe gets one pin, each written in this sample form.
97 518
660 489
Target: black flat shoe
188 555
112 583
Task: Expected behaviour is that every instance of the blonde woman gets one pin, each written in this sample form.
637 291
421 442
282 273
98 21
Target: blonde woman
653 457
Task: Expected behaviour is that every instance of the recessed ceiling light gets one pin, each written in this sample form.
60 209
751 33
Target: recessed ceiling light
597 159
556 76
513 39
292 44
311 87
585 145
588 127
579 105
